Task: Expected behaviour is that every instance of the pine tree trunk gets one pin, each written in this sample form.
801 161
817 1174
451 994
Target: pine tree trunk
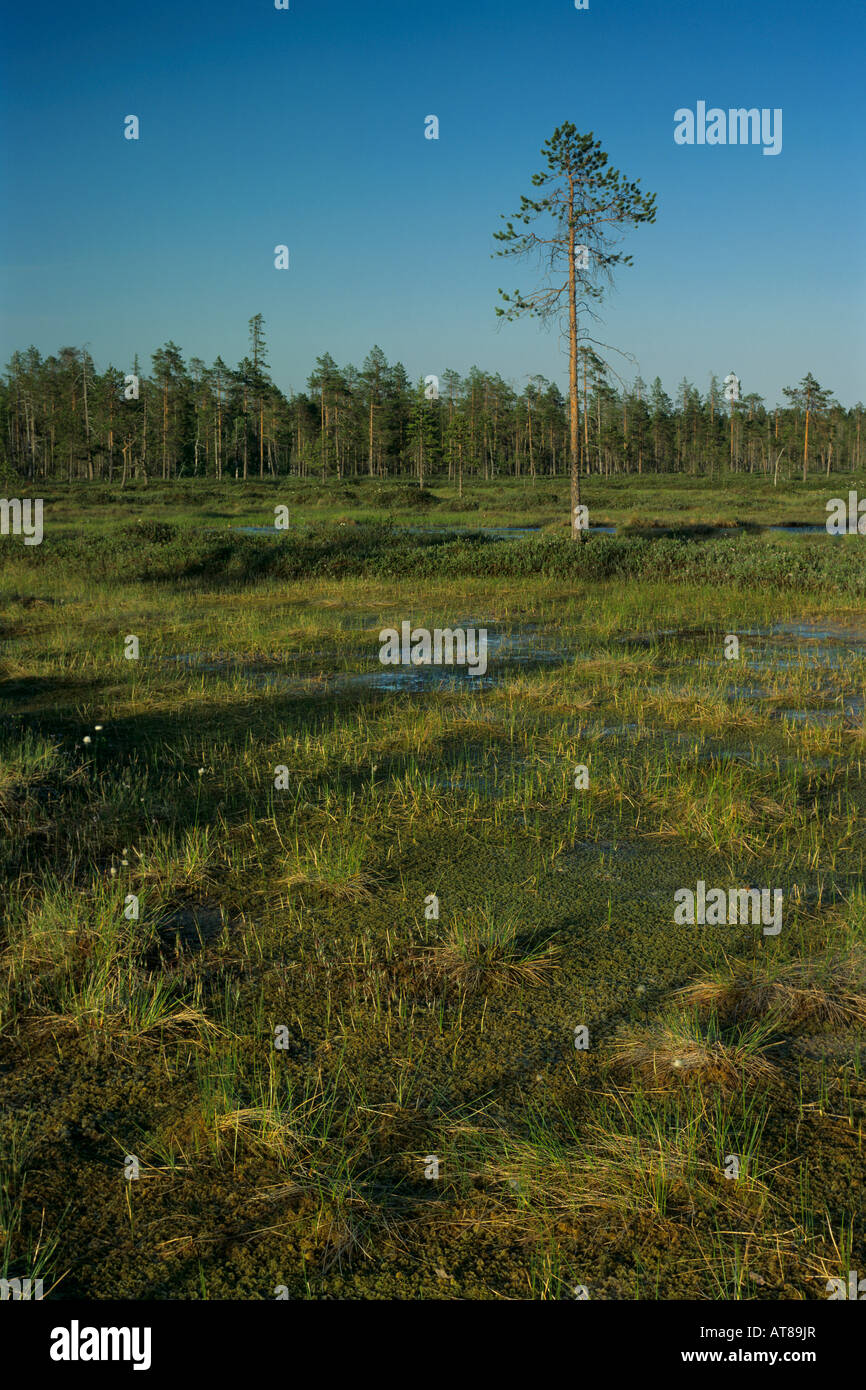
576 532
806 446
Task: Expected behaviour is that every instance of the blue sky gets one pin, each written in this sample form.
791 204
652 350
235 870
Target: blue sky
306 127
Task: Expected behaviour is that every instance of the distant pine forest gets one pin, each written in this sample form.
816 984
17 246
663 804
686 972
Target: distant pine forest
62 420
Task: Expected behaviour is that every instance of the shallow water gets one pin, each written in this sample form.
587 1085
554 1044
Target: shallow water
785 647
808 530
500 533
851 711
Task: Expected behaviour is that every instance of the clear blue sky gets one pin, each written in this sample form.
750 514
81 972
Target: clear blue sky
306 127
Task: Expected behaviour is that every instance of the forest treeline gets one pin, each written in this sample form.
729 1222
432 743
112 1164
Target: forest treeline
62 419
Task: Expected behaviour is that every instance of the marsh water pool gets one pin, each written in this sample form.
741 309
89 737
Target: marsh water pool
519 532
802 647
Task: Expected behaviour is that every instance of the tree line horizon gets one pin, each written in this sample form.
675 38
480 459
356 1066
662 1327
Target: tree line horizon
63 420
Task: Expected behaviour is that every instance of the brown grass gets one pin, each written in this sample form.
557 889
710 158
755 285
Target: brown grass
680 1052
831 989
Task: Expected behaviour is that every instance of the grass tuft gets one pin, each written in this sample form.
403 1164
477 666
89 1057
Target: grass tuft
681 1050
488 945
830 989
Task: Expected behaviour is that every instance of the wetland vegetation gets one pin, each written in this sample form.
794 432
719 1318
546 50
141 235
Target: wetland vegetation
404 1011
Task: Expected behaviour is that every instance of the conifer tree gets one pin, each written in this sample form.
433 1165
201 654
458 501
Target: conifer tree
585 205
